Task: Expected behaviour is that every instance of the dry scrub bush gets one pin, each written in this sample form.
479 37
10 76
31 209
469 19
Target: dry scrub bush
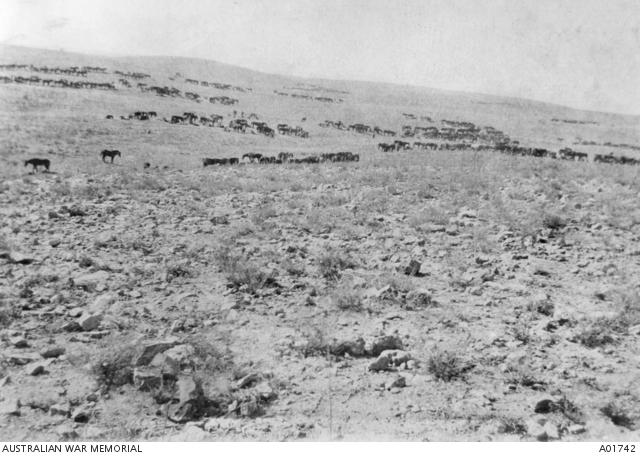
445 365
241 272
332 263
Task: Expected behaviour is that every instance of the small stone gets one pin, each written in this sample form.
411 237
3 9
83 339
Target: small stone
81 415
452 230
19 258
35 369
75 312
535 428
89 322
249 408
71 326
220 220
92 281
382 363
265 392
577 429
223 424
398 382
67 432
545 406
54 242
10 407
413 268
23 358
103 239
468 213
147 379
482 259
552 431
248 380
397 357
385 343
18 342
102 303
418 299
52 352
60 409
355 348
150 349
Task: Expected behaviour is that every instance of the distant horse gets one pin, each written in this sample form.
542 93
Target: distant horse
253 158
35 162
110 153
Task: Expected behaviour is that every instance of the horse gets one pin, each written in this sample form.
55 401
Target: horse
35 162
110 153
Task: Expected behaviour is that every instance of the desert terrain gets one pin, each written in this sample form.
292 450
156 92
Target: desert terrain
456 291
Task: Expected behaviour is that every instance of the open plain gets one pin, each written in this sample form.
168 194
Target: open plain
460 288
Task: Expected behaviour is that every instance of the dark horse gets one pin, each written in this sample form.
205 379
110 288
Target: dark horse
35 162
109 153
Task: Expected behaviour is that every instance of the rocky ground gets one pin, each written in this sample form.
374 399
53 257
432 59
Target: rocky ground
441 297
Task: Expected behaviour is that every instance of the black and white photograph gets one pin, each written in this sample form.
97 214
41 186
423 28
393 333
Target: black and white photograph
320 221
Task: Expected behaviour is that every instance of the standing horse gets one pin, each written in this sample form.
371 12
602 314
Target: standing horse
109 153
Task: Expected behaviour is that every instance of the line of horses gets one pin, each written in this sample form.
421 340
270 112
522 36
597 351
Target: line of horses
282 158
64 83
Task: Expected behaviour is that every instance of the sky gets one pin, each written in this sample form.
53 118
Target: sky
579 53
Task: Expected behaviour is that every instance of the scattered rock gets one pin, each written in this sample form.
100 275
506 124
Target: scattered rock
89 322
75 312
382 363
250 408
551 430
20 258
18 342
150 349
35 369
55 242
147 379
355 348
168 367
67 432
71 326
103 239
220 220
82 414
418 299
76 211
102 303
397 357
60 409
577 429
10 407
92 281
545 406
192 401
265 392
383 343
413 268
23 358
398 382
52 352
220 424
248 380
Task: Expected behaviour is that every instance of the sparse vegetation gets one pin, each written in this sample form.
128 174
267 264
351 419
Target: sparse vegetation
332 263
445 365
